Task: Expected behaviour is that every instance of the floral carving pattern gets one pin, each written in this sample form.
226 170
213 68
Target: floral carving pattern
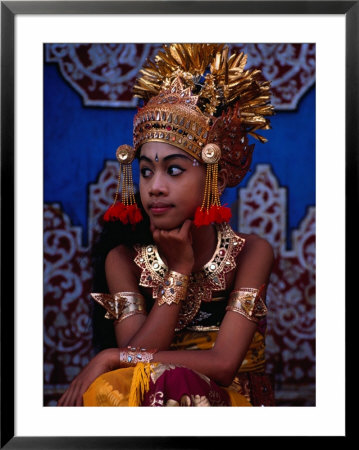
67 325
290 343
103 74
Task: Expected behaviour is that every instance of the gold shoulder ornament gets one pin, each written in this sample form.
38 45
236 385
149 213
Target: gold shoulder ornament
121 305
249 303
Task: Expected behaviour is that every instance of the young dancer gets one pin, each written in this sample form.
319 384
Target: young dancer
186 294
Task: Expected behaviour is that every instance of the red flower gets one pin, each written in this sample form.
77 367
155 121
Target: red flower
134 214
126 214
221 214
215 214
201 217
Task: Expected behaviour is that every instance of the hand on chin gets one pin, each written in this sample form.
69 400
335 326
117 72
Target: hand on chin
164 224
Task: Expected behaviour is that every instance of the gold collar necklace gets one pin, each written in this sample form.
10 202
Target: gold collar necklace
210 278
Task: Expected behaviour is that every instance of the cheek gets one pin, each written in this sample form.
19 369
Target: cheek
199 185
143 191
195 191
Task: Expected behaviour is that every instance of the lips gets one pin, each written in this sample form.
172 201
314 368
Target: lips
160 207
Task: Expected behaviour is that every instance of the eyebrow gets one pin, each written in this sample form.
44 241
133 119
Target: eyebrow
166 158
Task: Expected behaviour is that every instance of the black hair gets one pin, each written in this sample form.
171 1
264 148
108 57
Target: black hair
112 235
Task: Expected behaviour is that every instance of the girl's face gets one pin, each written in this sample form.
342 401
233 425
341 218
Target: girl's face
171 187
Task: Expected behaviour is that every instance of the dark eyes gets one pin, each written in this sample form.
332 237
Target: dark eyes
145 172
173 171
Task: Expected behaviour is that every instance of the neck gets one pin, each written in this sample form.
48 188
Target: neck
204 244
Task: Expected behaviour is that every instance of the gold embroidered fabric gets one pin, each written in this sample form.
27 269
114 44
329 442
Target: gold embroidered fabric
121 305
248 302
201 284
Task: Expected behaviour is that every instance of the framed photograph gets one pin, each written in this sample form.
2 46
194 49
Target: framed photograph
31 35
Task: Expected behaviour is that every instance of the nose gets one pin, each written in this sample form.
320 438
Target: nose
158 185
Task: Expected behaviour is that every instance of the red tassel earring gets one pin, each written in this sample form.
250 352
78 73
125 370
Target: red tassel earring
127 210
211 210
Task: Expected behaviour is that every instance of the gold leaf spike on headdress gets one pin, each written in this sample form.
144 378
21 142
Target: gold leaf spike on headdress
219 81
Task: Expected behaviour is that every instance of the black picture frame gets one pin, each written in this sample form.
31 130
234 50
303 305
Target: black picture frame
9 10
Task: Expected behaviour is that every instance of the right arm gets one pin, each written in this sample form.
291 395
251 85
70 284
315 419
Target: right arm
157 329
121 276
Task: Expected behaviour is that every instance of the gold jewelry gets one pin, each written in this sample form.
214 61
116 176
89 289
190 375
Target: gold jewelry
130 356
174 288
248 302
121 305
125 210
212 277
198 98
210 81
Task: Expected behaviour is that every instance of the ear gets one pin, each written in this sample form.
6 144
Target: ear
222 180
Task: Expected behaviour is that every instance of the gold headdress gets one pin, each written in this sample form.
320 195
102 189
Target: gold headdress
198 99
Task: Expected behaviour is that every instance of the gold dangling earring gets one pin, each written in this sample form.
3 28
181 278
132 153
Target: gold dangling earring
211 210
127 210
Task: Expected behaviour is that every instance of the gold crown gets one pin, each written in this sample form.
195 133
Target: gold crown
174 118
186 90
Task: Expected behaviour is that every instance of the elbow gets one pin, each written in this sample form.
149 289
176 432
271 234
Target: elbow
224 372
226 378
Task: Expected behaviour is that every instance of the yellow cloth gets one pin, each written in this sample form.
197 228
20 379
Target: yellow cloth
121 387
236 398
126 387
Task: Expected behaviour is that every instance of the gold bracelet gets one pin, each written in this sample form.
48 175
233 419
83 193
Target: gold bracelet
121 305
130 356
248 302
174 288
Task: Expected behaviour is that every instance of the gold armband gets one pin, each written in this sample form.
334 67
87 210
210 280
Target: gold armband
121 305
248 302
174 288
130 356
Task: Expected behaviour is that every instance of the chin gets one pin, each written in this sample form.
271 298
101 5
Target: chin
165 223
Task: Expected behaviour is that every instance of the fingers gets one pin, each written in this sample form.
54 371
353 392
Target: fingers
79 401
186 227
60 402
183 230
72 397
156 233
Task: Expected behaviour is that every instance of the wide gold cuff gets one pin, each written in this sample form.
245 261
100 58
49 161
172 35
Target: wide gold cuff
130 356
121 305
248 302
174 288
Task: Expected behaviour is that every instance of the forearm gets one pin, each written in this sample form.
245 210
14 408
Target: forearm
207 362
158 329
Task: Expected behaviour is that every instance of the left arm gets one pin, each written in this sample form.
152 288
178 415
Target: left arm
236 332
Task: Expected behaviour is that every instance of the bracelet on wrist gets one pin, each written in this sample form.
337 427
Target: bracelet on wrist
130 356
174 289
